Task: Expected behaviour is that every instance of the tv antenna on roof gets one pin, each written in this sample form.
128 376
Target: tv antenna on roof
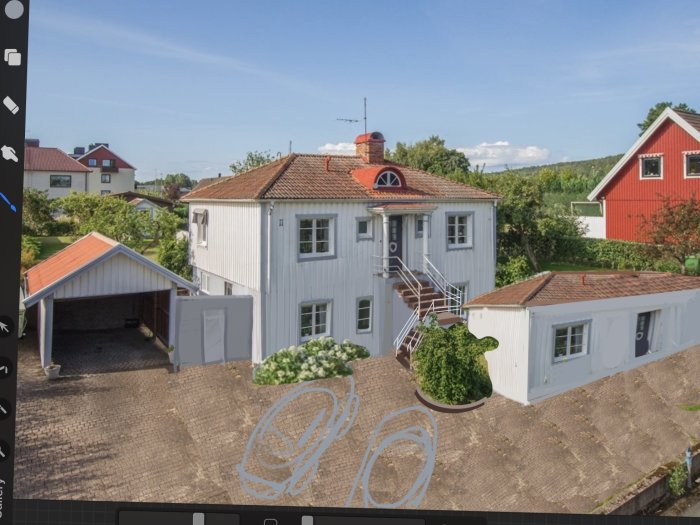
357 120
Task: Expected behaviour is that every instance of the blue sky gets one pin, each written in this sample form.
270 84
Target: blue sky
189 87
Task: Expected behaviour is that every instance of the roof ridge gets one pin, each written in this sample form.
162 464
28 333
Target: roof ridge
444 178
546 279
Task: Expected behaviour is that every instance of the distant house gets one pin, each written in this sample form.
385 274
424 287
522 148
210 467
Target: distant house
664 162
109 173
562 330
52 170
143 201
345 246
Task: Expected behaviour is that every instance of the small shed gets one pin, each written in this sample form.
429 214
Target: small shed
98 283
562 330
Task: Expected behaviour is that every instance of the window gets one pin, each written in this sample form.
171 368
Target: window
570 341
60 181
420 226
200 218
651 167
459 231
314 320
364 315
692 164
92 162
387 179
228 288
365 228
316 237
457 298
106 178
107 192
204 282
107 163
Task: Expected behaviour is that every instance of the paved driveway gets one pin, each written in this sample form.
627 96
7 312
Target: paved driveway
151 435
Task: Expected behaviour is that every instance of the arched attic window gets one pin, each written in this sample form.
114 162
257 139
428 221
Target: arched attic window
387 179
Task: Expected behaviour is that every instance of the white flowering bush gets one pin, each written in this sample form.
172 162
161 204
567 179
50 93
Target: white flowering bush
317 358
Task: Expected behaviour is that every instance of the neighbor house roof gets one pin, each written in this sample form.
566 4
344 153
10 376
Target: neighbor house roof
102 146
42 279
308 176
130 196
50 159
570 287
690 122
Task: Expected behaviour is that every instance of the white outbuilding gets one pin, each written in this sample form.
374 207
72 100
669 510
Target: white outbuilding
562 330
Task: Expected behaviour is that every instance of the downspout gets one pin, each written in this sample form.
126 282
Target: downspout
270 208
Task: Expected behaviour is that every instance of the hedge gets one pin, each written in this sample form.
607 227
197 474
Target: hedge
609 253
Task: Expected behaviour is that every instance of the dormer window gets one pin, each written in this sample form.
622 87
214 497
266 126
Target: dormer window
387 179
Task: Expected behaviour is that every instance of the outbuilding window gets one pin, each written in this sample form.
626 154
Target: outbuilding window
570 341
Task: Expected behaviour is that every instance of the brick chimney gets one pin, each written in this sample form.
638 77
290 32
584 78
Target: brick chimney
370 147
31 143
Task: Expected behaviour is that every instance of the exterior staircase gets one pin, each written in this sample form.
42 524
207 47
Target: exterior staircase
427 301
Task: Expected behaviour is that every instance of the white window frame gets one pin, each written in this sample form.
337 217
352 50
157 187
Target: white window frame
469 225
69 177
464 293
332 227
650 156
202 227
228 288
204 282
387 179
314 305
369 235
107 163
686 156
419 234
358 318
568 327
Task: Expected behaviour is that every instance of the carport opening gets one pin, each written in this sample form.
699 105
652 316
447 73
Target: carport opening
110 334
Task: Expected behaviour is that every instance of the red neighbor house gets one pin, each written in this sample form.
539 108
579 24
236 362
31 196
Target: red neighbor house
664 162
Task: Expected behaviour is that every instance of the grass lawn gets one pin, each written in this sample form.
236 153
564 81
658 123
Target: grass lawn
570 267
152 254
51 245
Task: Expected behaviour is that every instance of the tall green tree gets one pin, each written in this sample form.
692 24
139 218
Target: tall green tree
431 155
182 180
36 213
673 231
253 159
657 109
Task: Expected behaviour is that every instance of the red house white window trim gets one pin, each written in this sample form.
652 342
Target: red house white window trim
646 156
687 154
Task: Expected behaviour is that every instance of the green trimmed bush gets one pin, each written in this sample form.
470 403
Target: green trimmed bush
450 366
315 359
677 480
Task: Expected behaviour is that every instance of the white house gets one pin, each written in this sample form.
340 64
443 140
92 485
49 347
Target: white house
52 170
109 173
561 330
347 246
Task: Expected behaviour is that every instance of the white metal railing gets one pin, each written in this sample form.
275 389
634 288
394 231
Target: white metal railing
453 295
410 324
399 268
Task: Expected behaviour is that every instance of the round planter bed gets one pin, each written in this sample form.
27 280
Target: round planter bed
443 407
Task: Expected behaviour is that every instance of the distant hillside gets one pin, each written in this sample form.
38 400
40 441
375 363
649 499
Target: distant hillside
595 168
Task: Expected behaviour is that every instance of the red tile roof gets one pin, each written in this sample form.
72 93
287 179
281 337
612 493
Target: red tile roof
304 176
68 260
50 159
569 287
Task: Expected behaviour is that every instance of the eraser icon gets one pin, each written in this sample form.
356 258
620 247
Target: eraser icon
10 104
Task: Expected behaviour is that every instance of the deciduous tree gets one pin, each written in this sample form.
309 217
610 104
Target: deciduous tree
253 159
431 155
657 109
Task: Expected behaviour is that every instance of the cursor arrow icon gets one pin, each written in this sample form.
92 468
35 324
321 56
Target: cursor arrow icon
4 328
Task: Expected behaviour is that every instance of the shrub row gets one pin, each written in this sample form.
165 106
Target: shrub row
614 254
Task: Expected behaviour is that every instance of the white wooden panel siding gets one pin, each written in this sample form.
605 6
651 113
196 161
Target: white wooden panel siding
476 265
117 275
233 248
611 341
508 364
342 279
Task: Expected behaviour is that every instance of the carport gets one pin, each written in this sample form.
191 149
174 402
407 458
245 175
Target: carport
97 283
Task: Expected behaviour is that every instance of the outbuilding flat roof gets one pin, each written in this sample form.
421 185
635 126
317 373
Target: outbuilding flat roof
570 287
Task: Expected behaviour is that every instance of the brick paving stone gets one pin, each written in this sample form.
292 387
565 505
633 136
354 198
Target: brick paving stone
121 426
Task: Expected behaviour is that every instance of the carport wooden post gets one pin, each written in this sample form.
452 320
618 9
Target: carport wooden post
171 314
46 329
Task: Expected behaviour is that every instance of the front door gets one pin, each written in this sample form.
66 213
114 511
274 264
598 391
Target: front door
642 334
395 241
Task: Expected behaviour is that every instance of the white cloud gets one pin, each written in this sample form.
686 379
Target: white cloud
502 153
341 148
